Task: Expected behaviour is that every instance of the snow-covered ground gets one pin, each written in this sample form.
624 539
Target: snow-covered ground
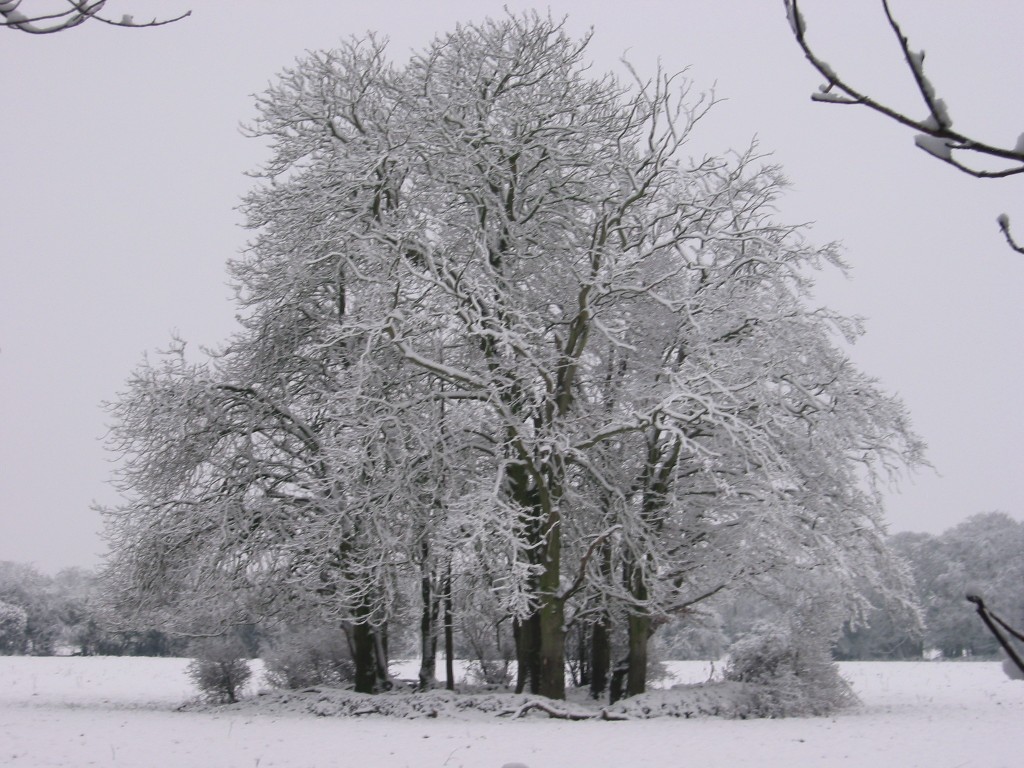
122 712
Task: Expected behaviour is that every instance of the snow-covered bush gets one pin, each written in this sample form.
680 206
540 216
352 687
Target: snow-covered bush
13 623
490 673
220 670
300 659
696 635
788 673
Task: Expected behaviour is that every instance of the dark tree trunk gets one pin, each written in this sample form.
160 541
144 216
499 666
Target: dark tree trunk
638 625
600 638
428 624
551 616
428 650
551 613
521 658
583 654
552 647
364 656
527 638
600 658
639 634
540 639
449 632
380 659
615 690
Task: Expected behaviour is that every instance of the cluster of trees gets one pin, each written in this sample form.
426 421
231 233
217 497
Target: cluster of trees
43 615
980 556
507 353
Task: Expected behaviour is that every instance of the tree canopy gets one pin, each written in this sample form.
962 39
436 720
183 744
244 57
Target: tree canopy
502 334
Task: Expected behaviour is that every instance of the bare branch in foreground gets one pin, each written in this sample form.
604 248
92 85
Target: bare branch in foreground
78 11
935 133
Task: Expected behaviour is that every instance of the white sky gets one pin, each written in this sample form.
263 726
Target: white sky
121 163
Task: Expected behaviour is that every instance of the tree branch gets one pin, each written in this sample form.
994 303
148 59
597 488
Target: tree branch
935 133
577 585
78 12
990 620
1004 226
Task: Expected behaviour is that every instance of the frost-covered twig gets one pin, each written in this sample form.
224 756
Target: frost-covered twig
935 134
1004 226
78 11
577 585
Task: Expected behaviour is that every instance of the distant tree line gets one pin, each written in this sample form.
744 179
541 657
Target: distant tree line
43 615
982 555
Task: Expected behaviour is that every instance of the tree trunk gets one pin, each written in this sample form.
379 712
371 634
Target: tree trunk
552 647
540 641
600 658
600 638
428 625
639 634
449 632
551 616
428 654
380 658
583 655
618 677
364 656
527 638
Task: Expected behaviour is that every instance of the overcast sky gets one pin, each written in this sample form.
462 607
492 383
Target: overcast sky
121 162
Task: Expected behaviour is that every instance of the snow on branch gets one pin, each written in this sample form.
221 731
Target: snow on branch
934 133
1004 226
77 12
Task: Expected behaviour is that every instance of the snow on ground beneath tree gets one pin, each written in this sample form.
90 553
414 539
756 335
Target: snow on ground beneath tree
125 712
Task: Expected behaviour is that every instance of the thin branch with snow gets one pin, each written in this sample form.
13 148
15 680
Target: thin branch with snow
77 12
934 134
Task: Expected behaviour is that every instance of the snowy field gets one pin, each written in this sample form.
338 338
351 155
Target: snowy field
122 712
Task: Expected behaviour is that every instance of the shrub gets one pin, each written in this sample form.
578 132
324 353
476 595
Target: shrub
788 674
304 658
13 623
695 635
220 670
490 673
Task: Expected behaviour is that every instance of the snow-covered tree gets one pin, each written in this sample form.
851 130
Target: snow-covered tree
23 586
498 326
13 623
979 556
